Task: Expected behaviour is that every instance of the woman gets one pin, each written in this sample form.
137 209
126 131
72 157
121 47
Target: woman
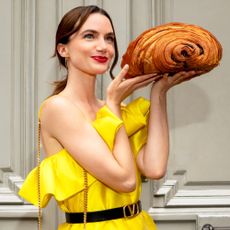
96 150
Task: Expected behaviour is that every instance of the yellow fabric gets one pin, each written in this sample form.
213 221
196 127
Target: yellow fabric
62 176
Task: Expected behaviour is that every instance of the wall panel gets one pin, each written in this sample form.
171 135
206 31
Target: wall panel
17 110
198 173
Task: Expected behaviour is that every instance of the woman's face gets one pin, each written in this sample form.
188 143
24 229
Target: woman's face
91 49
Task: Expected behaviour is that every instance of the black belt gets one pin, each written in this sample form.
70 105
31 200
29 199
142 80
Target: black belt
108 214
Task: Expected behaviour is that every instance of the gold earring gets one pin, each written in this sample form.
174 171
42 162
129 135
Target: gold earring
66 63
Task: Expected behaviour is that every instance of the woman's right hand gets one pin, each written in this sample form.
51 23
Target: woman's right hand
120 87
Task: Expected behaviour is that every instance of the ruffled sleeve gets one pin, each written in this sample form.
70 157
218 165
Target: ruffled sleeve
60 176
135 117
107 124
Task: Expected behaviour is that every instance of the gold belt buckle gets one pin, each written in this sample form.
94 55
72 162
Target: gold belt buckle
131 210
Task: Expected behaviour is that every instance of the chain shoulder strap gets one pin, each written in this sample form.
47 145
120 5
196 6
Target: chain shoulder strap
85 197
39 184
39 175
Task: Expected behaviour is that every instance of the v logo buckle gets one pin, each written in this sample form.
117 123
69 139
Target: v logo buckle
133 210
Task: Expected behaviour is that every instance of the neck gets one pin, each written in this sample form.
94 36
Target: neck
80 88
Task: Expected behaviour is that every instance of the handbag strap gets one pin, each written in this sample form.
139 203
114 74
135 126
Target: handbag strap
85 197
39 222
39 175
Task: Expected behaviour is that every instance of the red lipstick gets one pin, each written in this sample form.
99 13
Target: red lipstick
101 59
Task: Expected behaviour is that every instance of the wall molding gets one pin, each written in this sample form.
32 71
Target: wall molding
162 11
173 192
22 102
186 213
18 211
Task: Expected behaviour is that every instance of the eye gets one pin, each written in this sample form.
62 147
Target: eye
89 36
110 38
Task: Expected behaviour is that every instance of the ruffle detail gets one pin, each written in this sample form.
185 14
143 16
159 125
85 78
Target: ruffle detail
60 176
135 116
107 124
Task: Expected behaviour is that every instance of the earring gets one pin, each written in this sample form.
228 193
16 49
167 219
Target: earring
66 63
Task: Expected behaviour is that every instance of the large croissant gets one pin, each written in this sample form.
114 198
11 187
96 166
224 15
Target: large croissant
170 48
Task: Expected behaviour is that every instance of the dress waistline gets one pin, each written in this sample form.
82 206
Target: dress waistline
127 211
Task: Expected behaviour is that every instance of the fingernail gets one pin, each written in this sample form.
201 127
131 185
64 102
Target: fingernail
126 66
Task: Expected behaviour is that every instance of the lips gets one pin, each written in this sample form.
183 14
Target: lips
101 59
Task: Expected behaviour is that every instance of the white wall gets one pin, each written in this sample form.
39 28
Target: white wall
196 189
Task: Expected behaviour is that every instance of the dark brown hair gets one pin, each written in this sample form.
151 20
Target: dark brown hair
71 22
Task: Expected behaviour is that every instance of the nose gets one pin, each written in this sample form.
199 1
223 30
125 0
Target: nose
101 45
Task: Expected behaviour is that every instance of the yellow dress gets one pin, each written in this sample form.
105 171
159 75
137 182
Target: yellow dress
62 177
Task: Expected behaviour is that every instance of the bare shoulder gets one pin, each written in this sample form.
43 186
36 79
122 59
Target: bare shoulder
55 102
52 105
58 109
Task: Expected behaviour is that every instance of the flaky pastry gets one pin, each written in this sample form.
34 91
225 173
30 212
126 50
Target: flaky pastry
171 48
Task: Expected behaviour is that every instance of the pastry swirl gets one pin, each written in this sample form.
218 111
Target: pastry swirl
172 47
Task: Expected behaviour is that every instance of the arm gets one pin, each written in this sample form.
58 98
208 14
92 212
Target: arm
153 157
77 135
66 124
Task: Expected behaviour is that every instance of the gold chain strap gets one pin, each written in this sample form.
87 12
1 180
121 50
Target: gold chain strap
85 197
39 184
